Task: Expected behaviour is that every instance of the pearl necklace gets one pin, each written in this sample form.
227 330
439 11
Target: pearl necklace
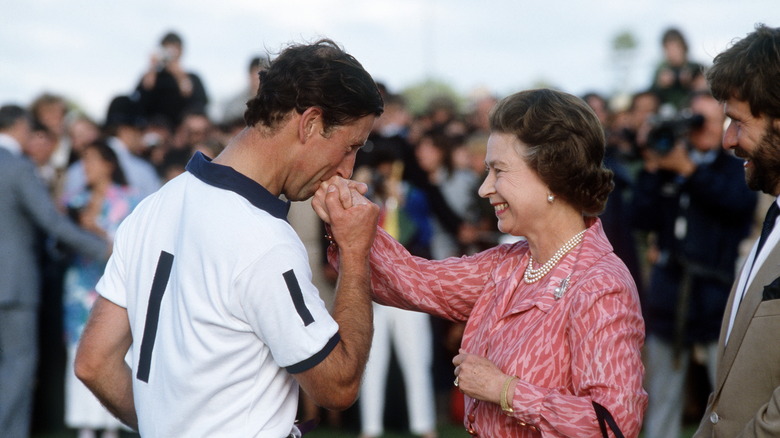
533 275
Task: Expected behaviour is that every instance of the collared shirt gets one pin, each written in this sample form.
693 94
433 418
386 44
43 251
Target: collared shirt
566 352
702 158
752 265
218 291
140 173
10 143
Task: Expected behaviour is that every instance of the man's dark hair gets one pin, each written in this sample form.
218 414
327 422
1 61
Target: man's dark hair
171 38
260 62
674 34
124 111
318 75
9 114
750 71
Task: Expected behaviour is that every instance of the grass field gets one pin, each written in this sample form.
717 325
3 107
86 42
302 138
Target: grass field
445 431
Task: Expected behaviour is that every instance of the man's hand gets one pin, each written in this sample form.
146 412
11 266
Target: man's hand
677 161
349 192
352 217
335 382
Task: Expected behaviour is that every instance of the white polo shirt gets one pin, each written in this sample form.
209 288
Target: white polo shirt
218 291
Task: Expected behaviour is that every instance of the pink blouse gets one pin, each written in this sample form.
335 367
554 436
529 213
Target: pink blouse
566 352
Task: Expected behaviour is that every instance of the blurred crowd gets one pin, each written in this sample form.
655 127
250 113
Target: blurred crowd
669 219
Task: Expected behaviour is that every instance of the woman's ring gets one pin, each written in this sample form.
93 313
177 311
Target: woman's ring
456 381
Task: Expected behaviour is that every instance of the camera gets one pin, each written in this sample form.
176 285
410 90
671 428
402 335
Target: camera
164 56
667 130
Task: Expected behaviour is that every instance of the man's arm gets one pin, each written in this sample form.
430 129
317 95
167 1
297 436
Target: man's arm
100 360
335 382
38 204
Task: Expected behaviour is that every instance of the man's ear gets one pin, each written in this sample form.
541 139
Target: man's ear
776 124
310 123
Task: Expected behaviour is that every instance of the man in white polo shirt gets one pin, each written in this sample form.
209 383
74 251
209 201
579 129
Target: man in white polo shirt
211 287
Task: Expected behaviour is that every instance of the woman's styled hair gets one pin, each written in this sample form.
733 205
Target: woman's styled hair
565 144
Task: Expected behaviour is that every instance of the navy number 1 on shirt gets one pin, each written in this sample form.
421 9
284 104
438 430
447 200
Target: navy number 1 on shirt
159 283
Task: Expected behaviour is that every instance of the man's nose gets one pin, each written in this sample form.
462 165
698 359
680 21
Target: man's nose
730 136
346 167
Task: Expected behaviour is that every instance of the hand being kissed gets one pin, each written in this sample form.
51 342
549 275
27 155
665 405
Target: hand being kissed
351 216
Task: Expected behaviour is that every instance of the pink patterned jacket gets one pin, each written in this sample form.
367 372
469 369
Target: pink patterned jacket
567 352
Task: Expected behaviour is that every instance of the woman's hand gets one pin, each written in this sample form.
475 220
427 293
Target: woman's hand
349 192
352 217
478 377
88 216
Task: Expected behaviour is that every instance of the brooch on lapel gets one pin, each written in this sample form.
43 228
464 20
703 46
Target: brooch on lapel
560 290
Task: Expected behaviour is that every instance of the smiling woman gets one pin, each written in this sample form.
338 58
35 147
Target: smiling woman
550 346
505 46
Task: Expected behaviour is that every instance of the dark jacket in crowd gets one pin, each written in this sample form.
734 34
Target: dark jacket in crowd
699 223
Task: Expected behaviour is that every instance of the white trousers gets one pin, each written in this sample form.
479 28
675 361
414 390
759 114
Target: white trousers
665 384
410 334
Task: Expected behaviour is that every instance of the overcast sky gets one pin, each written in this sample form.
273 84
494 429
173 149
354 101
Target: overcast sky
90 51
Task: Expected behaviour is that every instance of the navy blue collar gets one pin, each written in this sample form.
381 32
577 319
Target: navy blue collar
227 178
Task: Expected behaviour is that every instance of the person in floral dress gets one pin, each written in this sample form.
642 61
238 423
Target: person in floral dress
99 208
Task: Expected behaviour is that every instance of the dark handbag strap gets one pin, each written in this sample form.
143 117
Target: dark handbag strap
604 418
308 425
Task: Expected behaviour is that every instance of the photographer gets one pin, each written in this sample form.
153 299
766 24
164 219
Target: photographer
166 89
676 76
691 199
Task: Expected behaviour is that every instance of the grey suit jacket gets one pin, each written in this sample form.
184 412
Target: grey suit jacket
746 398
26 208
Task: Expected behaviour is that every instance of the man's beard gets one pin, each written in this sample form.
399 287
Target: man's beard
765 175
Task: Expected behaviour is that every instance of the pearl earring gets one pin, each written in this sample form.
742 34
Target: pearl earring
550 198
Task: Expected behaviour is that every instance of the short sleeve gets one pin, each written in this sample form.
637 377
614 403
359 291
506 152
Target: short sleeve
276 297
112 285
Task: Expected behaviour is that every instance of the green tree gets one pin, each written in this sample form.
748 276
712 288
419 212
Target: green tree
624 50
419 95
